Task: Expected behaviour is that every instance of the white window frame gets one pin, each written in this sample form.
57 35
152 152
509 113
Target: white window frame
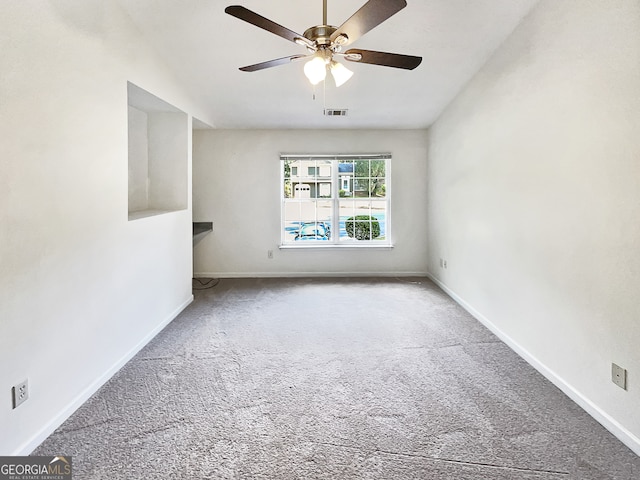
336 182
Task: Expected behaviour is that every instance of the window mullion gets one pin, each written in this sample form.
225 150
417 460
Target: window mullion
335 220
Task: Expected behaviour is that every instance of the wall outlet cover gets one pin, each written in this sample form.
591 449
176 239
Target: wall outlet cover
619 376
20 393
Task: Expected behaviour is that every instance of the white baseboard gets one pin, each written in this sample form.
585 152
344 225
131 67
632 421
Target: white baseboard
612 425
305 274
59 419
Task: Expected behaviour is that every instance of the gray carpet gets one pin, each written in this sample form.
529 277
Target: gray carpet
333 379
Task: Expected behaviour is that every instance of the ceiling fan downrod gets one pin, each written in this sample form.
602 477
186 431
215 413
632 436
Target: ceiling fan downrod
321 35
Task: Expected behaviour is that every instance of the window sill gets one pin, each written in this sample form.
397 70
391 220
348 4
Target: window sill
335 246
138 214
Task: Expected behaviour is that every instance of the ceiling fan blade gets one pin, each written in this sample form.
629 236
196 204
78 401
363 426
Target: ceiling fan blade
261 22
370 15
407 62
272 63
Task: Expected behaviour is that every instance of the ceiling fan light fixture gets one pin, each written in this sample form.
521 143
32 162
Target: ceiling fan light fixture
316 70
341 39
341 74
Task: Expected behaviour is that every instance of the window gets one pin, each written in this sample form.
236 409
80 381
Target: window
341 200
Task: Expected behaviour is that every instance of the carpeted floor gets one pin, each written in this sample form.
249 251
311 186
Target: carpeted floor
333 379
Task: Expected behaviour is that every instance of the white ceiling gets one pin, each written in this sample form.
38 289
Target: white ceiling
205 47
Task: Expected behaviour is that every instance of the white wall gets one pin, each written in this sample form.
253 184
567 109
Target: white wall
534 199
236 184
168 135
138 134
81 287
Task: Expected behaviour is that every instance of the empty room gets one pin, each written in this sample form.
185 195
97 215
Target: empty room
326 239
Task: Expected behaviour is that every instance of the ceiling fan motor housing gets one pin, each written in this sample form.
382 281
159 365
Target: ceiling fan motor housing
320 34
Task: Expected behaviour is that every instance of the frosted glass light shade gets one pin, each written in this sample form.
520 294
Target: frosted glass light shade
315 70
340 73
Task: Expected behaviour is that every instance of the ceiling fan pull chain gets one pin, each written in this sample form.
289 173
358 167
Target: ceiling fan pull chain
324 95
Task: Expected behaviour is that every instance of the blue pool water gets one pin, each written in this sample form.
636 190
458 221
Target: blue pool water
292 227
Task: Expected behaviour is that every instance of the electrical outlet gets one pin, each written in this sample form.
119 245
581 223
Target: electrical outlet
269 253
444 264
619 376
20 393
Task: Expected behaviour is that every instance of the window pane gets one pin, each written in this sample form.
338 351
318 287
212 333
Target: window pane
292 219
301 190
362 227
345 178
324 169
324 190
346 209
325 215
379 212
377 168
362 207
361 187
363 230
362 168
307 221
345 167
378 187
286 174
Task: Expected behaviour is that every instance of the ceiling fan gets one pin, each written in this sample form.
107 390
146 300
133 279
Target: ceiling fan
324 42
